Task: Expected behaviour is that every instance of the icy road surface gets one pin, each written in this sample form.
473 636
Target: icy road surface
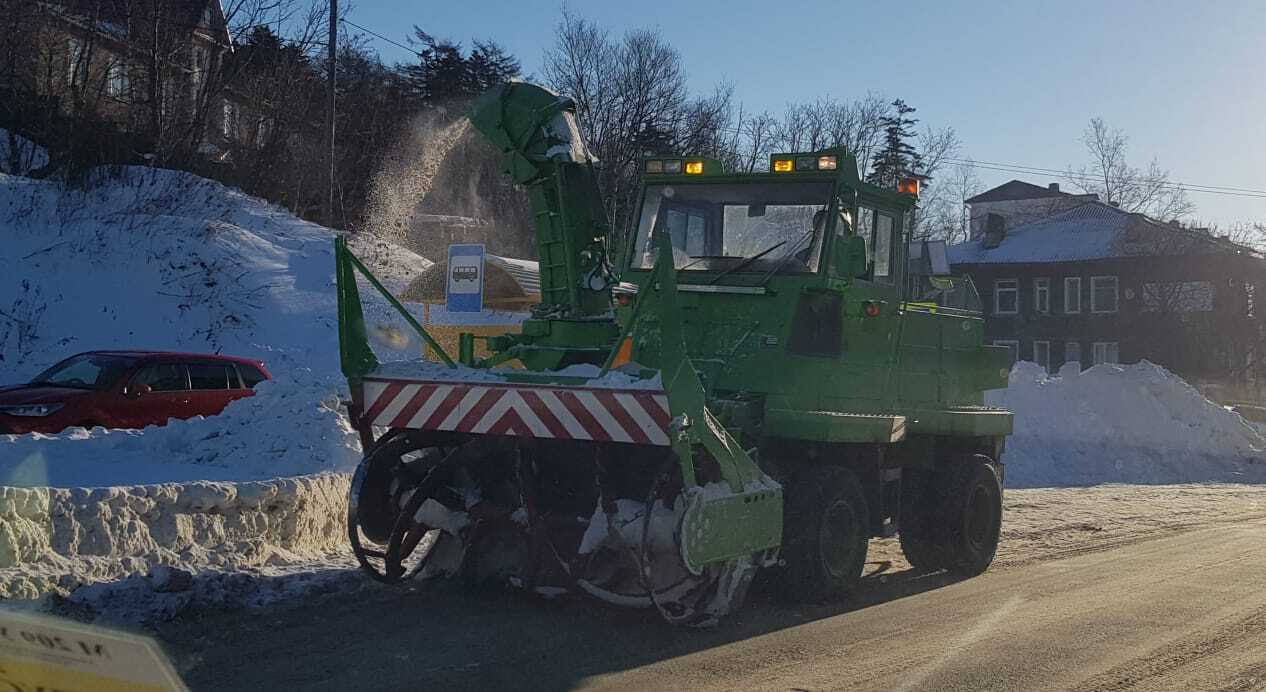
1114 587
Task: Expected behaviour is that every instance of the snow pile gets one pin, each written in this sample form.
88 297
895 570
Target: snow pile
53 540
19 155
157 259
160 259
1122 424
290 427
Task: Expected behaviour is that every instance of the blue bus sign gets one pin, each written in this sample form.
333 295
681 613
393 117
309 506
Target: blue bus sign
465 278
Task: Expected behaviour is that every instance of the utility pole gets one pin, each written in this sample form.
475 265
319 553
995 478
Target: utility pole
328 212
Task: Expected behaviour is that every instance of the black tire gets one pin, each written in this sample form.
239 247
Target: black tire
971 514
920 505
826 531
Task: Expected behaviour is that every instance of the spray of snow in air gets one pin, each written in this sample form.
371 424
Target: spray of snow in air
409 174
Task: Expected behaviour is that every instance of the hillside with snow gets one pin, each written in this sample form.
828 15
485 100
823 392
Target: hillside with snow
158 259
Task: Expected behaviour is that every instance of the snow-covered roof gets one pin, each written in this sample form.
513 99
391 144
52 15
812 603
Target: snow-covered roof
1016 189
1091 231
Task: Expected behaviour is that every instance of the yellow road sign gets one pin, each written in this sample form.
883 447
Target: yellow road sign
51 654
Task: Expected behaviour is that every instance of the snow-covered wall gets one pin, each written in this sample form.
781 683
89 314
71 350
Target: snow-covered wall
55 539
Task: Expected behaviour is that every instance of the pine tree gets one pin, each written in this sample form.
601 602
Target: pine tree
443 71
898 158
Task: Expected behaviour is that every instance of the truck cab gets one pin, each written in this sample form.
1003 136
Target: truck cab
795 288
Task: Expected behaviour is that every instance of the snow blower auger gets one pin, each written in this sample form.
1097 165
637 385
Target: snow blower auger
775 377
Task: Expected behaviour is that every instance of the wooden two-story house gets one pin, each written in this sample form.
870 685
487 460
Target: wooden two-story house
1093 284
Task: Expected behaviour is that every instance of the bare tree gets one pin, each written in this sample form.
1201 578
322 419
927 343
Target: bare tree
943 214
1109 175
631 99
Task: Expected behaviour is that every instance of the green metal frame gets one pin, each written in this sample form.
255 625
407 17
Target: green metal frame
356 357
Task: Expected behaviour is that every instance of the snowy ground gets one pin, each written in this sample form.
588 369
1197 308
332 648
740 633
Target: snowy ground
1040 524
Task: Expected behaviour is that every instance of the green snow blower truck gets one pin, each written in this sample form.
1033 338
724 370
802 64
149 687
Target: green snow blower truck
762 379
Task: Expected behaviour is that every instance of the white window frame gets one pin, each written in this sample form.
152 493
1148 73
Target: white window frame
1075 307
118 81
229 120
74 54
1042 293
1116 289
1077 344
1103 346
1013 344
997 291
1036 359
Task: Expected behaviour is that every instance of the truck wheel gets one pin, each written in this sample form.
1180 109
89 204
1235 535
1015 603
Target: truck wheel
971 514
919 505
826 530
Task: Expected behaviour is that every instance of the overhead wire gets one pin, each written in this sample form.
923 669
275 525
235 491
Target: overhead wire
379 36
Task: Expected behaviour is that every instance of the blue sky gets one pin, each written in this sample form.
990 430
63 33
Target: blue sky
1018 80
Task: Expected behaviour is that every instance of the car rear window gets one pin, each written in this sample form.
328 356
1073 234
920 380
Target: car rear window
251 375
163 377
211 376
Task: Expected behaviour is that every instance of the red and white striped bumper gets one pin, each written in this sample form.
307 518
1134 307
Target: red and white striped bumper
564 413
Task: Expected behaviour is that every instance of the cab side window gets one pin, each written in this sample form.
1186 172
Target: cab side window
866 229
211 376
883 248
163 377
251 375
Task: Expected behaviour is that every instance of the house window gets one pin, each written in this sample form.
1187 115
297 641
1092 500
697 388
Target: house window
230 120
1042 296
1105 352
1072 351
1072 295
1011 344
74 55
1180 296
201 62
1103 294
1042 354
117 83
1006 296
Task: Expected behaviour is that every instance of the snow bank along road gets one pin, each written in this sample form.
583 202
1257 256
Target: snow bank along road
1114 587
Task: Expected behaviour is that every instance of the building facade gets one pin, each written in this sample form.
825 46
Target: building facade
1094 284
148 70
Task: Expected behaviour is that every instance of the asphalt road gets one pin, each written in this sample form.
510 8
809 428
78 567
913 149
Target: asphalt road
1184 611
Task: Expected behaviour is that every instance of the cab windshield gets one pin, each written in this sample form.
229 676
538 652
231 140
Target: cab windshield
717 227
86 371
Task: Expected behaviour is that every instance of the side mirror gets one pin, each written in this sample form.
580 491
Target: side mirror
850 257
139 389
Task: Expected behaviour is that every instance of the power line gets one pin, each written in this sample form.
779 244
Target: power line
1070 175
380 36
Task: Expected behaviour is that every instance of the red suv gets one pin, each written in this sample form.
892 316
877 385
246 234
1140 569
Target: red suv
127 389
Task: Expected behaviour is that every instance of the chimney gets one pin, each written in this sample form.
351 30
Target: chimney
995 230
1053 187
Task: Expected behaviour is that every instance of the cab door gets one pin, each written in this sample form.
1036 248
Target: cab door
157 392
212 385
